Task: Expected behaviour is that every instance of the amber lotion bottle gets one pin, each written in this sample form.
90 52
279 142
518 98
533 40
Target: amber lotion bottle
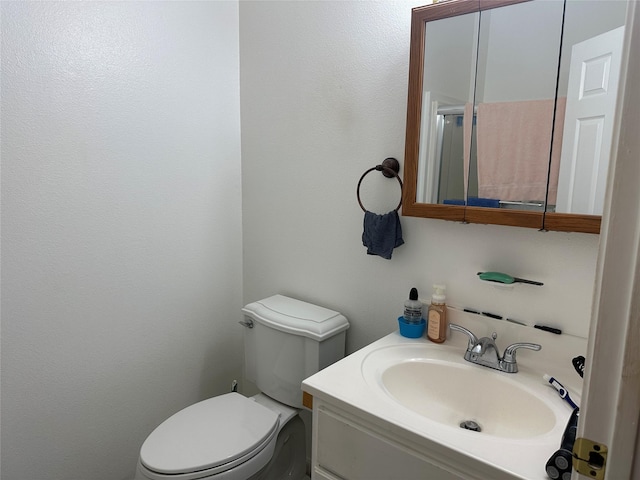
437 316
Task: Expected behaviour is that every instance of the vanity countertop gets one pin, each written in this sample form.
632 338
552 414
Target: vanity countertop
344 385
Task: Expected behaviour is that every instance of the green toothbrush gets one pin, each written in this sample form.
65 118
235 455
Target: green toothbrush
504 278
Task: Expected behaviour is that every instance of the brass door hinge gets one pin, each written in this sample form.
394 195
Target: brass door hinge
590 458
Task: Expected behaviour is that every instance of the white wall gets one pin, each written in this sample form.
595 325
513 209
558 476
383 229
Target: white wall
121 227
323 98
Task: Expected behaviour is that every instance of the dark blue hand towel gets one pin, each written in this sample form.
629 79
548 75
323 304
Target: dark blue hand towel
382 233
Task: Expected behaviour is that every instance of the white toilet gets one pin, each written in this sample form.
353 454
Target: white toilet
232 437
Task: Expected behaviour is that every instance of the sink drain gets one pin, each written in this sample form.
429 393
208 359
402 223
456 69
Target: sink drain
470 425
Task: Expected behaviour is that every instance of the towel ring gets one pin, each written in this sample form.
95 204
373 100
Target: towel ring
389 168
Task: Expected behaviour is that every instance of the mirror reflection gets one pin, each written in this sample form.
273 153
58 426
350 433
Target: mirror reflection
588 88
495 84
449 83
518 54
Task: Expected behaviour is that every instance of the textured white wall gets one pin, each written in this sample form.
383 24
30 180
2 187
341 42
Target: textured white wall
323 98
121 227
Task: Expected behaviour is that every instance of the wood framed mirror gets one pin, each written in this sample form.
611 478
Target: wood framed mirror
472 58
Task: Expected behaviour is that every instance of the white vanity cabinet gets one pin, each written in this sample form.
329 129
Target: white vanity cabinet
361 433
346 447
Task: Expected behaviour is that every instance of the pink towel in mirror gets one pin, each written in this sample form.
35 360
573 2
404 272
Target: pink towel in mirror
514 141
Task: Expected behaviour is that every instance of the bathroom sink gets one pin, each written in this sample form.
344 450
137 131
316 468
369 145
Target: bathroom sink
436 383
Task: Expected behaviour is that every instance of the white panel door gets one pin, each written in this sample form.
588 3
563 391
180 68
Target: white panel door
594 76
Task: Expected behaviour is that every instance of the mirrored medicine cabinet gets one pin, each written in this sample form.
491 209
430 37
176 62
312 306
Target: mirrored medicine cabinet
510 111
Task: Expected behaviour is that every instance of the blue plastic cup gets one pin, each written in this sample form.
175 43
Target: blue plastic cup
411 330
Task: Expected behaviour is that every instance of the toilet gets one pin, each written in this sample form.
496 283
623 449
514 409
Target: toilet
233 437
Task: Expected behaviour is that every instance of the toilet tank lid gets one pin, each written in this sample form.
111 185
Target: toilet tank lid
297 317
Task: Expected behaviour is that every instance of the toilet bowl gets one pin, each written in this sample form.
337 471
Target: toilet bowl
254 438
233 437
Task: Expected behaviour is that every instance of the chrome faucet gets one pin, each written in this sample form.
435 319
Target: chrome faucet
484 351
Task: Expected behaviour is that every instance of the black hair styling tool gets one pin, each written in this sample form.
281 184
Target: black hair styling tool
559 464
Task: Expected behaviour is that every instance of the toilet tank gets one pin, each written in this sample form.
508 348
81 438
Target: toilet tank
290 341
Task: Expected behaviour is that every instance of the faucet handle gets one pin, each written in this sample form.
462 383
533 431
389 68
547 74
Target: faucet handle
473 340
510 352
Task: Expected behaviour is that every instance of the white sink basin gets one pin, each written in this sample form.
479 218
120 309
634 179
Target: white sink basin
438 384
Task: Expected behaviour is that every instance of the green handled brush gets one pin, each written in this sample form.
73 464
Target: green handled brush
504 278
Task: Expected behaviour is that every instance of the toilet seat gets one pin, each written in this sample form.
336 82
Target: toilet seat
209 437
